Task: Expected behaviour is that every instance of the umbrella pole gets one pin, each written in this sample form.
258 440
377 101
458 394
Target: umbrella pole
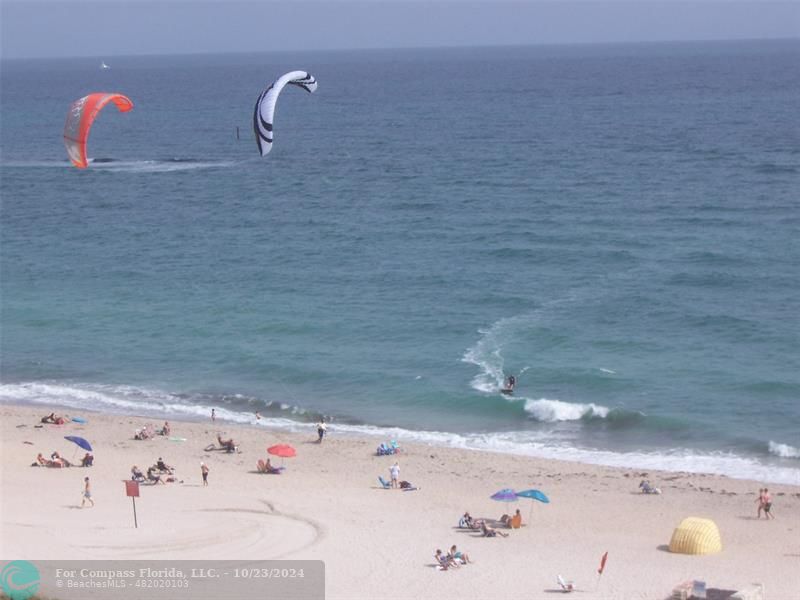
530 514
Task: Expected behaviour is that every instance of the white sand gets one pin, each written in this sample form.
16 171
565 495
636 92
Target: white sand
329 506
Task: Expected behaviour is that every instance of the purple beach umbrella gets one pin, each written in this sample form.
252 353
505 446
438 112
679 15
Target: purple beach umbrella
505 495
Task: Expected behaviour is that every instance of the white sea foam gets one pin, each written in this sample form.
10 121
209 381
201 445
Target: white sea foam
157 404
783 450
486 354
556 410
607 371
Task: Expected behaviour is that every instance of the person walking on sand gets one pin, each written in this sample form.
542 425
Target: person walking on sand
394 472
767 505
87 492
321 429
213 414
204 471
760 502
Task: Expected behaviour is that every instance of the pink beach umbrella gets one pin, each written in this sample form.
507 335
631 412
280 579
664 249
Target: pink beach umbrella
282 450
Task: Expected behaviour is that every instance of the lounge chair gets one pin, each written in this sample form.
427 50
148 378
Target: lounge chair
386 485
566 586
445 561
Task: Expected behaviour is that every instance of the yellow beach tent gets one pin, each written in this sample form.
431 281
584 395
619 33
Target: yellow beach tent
696 536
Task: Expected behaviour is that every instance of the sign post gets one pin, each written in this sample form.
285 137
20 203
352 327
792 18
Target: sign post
132 490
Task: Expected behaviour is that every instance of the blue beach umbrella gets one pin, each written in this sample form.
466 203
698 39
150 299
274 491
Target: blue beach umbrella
80 441
533 495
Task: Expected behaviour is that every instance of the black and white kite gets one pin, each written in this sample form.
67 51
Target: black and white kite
265 106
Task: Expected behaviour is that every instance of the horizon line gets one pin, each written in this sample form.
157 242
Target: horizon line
411 48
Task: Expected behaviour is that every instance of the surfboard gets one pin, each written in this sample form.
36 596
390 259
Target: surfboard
507 391
177 439
79 420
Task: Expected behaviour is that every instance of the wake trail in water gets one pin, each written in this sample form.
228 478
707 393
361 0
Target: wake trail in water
113 165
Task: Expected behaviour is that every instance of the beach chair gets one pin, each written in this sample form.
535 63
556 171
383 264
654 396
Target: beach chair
261 466
386 485
442 563
566 586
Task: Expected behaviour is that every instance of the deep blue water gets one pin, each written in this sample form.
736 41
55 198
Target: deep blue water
616 225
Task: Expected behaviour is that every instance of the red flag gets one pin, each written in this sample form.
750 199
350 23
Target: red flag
602 563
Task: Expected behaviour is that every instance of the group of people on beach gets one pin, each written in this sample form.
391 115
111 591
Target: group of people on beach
451 560
509 521
147 432
154 473
54 420
55 460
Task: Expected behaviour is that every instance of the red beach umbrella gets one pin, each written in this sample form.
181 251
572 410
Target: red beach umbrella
282 450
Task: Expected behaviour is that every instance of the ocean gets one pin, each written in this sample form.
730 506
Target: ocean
615 225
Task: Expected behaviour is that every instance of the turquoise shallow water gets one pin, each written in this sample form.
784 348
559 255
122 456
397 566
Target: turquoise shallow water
616 225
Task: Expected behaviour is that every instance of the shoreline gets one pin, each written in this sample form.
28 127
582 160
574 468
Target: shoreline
328 505
678 460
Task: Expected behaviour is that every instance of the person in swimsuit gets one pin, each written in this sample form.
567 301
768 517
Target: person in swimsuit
204 471
87 492
458 557
768 505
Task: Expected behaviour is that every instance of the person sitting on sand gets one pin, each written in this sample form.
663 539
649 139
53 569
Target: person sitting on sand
227 445
506 519
52 418
136 474
143 434
444 560
87 460
163 467
468 522
491 531
58 461
457 556
153 477
164 430
647 488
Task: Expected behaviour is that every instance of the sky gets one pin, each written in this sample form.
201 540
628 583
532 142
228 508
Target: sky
107 28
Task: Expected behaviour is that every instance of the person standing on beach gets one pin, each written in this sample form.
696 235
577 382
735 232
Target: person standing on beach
204 472
760 502
394 471
321 429
87 492
213 414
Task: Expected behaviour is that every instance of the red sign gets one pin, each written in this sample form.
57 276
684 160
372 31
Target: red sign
132 488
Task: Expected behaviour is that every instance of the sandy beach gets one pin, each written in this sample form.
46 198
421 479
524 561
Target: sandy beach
328 505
